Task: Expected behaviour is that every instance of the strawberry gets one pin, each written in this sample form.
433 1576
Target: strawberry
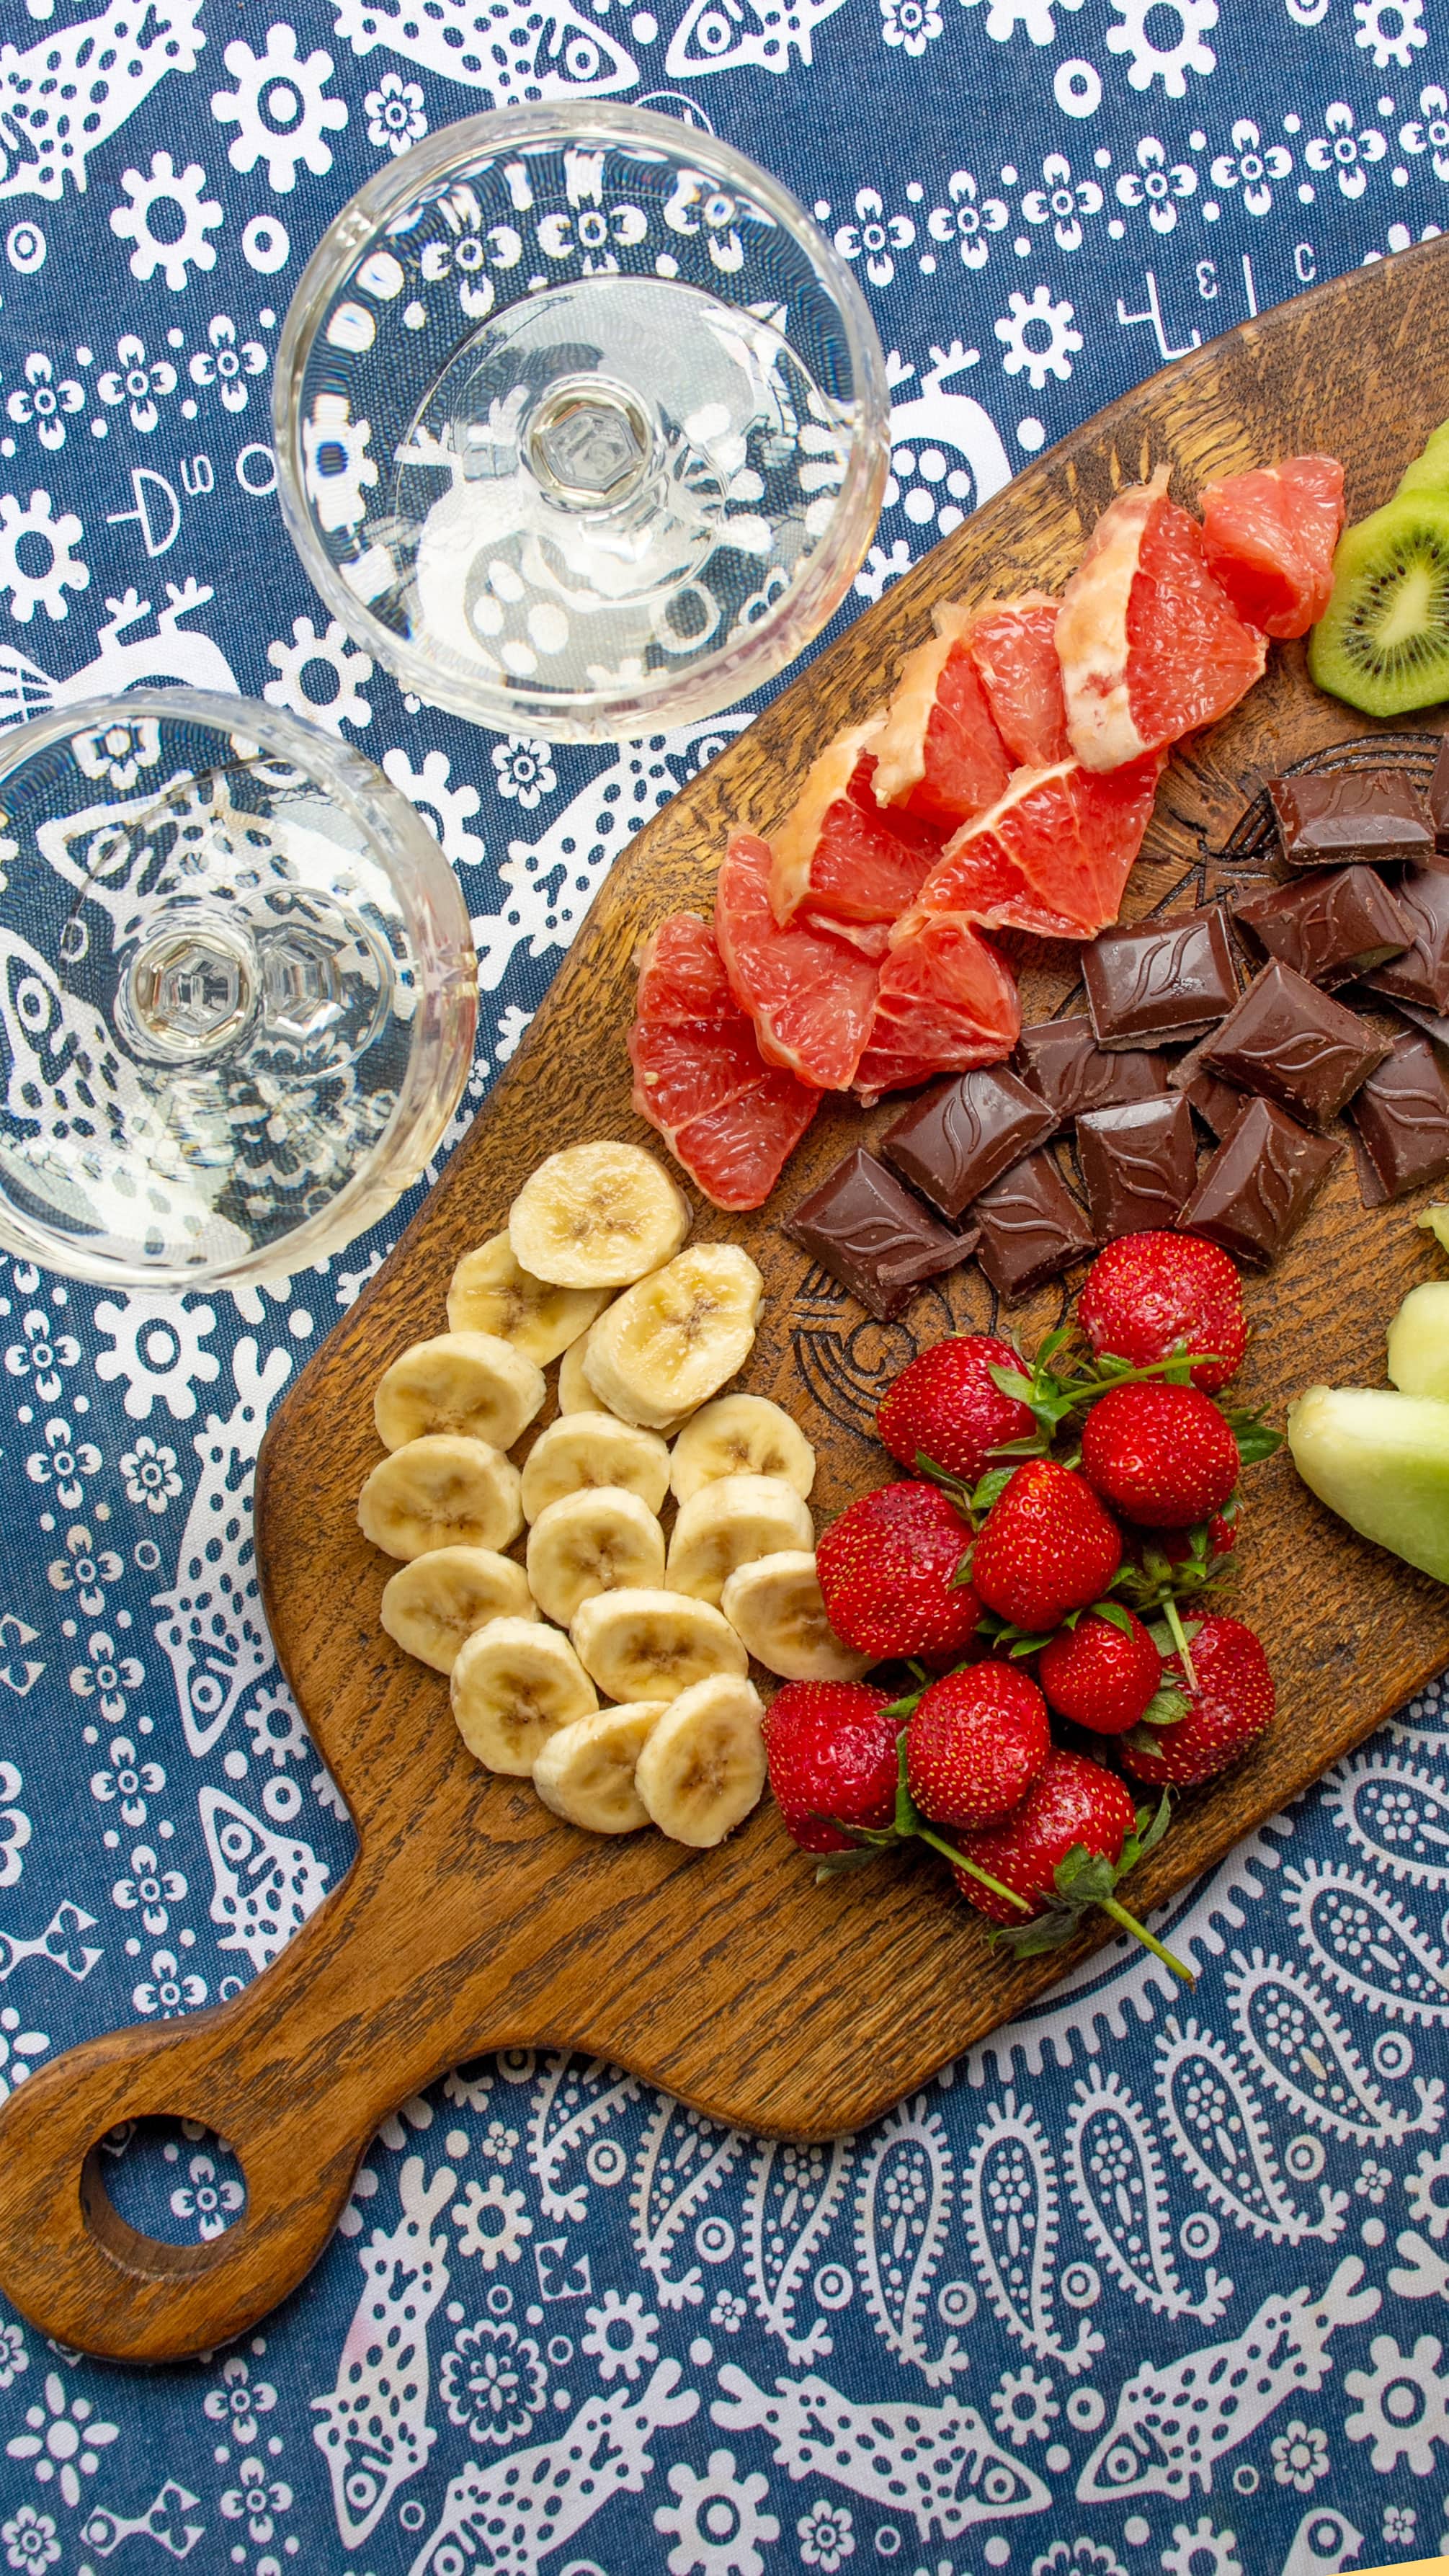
1230 1700
947 1407
975 1744
1147 1295
1218 1540
1163 1455
887 1571
831 1752
1046 1546
1064 1849
1103 1672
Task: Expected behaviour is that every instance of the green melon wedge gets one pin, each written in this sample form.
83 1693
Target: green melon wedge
1380 1459
1419 1341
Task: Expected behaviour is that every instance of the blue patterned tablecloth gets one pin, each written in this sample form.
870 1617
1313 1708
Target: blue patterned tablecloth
1140 2285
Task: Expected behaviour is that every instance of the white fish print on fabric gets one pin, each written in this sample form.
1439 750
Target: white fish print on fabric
1324 2542
1116 2179
792 2196
1175 2422
375 2434
902 2212
953 2473
937 425
513 2513
509 51
1010 2193
194 659
165 2521
117 57
213 1632
60 1943
721 35
265 1883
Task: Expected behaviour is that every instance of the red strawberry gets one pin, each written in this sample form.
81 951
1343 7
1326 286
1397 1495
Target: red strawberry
1163 1455
1230 1701
946 1405
975 1744
1074 1801
1176 1544
830 1753
887 1570
1147 1295
1101 1675
1046 1547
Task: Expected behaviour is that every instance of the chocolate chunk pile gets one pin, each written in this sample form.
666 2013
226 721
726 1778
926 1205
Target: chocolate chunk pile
1172 1034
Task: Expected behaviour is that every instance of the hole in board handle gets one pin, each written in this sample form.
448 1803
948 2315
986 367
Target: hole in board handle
178 2175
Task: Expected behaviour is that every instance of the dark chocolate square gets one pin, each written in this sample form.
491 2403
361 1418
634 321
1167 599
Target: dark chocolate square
1421 974
1031 1227
1062 1060
1330 926
1260 1184
1439 798
1139 1165
1218 1104
866 1229
964 1135
1161 981
1402 1121
1295 1045
1328 815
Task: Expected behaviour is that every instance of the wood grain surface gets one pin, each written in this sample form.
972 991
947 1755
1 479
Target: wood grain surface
471 1919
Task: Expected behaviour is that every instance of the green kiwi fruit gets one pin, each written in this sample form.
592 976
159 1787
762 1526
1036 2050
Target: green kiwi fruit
1383 640
1429 471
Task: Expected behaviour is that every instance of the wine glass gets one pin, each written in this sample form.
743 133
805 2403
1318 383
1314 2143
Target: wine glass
581 425
237 991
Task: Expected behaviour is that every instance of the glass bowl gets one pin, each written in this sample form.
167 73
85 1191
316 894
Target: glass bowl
238 991
581 425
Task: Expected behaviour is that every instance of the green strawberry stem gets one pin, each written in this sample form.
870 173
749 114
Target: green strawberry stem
1139 1932
1179 1639
958 1860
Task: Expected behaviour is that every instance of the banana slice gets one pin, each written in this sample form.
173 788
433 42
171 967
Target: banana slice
588 1449
729 1523
703 1764
597 1216
774 1607
585 1773
430 1606
740 1435
653 1644
575 1395
514 1685
605 1540
489 1293
442 1491
666 1344
470 1382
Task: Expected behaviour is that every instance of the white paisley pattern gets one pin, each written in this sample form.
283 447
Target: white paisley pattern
1136 2285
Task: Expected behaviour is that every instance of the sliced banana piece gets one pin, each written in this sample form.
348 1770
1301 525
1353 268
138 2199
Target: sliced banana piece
774 1607
597 1216
585 1773
575 1395
673 1340
740 1435
727 1524
431 1605
703 1764
490 1293
653 1644
585 1449
445 1490
470 1382
604 1540
514 1685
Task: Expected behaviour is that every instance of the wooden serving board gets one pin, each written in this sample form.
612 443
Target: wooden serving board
471 1919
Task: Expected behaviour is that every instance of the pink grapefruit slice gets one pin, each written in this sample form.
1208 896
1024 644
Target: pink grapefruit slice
1014 647
1268 540
811 996
938 754
841 853
946 1002
729 1119
1150 647
1052 856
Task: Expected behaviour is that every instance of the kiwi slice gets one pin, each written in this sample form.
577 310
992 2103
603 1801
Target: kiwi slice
1429 471
1383 640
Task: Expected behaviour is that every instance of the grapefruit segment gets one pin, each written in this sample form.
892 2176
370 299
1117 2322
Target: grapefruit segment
839 852
1268 539
1053 855
811 997
1014 648
727 1117
938 753
1150 647
946 1002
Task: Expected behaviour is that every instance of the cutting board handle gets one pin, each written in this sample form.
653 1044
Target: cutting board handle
274 2074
